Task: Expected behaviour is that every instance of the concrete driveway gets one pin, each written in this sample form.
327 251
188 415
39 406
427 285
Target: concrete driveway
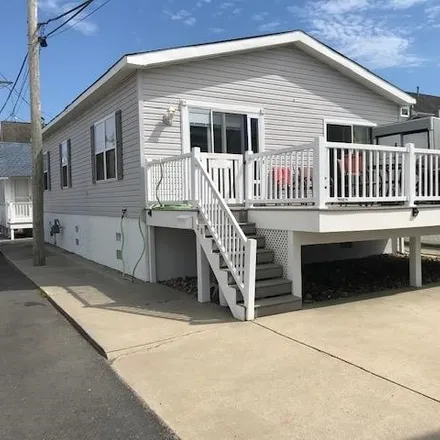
362 370
396 337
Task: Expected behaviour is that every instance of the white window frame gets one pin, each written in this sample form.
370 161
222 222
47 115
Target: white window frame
351 122
46 170
250 112
103 120
65 144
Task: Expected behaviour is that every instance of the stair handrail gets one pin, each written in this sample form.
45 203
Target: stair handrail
238 251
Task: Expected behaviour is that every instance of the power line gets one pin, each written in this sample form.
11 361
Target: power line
82 18
11 90
64 13
19 94
84 6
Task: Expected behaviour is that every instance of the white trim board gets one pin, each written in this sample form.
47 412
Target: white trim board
190 53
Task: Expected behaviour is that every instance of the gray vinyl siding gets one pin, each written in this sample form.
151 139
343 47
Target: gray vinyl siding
103 198
296 91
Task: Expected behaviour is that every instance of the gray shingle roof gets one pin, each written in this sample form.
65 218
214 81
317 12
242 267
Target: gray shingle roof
426 103
15 159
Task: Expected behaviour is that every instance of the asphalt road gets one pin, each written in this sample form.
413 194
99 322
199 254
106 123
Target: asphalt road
53 384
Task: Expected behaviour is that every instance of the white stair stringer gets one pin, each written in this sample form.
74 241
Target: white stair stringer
222 276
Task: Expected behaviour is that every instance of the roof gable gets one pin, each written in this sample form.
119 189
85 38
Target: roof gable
426 104
300 39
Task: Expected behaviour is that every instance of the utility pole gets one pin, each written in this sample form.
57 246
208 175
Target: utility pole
37 138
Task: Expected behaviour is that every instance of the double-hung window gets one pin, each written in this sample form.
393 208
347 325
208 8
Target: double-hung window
65 165
46 171
107 148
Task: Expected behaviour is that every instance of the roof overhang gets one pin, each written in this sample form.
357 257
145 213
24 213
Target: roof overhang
315 48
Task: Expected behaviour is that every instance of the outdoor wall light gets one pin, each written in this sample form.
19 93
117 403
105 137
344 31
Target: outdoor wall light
168 116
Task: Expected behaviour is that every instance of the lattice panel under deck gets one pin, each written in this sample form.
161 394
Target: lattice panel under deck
276 240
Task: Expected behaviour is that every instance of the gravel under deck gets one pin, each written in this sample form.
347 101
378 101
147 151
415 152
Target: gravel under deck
344 279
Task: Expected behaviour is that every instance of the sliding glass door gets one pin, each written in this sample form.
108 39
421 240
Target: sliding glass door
221 132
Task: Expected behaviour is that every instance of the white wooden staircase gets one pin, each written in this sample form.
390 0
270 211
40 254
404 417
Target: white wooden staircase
273 293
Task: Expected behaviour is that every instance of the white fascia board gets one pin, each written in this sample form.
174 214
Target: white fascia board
116 68
356 71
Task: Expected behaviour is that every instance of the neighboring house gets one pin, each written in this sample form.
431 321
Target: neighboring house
151 165
12 131
422 129
15 187
426 105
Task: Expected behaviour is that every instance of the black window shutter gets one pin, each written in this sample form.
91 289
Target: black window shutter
49 177
69 164
61 165
92 146
119 155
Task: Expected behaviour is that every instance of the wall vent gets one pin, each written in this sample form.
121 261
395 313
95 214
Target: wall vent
118 254
76 228
118 236
77 242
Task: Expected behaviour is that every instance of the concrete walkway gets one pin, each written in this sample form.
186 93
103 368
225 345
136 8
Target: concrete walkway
360 370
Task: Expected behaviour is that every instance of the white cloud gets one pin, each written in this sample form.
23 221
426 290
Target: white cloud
433 14
237 11
85 26
356 29
216 30
403 4
260 16
183 15
342 6
269 27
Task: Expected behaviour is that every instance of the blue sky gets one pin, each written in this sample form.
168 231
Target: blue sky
398 39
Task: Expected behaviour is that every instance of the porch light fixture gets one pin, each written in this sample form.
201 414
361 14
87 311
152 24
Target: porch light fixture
168 116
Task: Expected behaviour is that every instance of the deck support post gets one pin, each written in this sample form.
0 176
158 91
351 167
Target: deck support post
12 232
415 261
294 263
203 275
151 243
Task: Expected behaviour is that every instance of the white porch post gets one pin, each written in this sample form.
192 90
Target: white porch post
410 175
320 173
415 261
194 188
294 262
151 243
203 275
248 179
12 234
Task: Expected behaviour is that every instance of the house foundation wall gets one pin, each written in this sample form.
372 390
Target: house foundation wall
99 239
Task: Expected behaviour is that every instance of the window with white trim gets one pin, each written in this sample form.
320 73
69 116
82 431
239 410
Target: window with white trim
105 149
223 131
349 133
64 164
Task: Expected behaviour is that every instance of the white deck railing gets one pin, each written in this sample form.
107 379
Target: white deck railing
319 174
19 212
280 176
226 171
169 180
366 173
427 175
